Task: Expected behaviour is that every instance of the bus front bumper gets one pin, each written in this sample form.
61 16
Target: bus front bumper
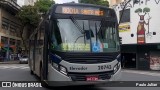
59 79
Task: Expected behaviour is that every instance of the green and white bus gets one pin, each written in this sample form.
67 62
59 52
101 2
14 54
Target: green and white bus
78 43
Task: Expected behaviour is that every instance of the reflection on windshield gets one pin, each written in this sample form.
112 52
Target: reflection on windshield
98 36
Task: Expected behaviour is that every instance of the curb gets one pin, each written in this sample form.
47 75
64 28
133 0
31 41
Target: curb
10 62
141 71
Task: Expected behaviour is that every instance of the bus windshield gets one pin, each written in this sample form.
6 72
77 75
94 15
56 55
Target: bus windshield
84 36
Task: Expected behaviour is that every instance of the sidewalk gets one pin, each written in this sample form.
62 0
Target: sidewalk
10 62
142 71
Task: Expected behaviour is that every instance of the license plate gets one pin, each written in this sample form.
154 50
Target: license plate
91 78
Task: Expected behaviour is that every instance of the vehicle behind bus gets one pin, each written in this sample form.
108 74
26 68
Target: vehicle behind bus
77 43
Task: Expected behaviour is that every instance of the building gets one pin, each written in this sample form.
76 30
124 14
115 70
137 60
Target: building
114 2
10 26
29 2
140 32
26 2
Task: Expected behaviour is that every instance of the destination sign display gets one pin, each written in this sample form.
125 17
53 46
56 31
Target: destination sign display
80 10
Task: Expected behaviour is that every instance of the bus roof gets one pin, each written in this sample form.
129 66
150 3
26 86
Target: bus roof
57 9
79 4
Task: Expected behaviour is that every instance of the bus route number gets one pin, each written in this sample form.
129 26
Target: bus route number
103 67
71 10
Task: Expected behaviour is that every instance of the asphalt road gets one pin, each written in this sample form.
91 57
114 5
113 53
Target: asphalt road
21 72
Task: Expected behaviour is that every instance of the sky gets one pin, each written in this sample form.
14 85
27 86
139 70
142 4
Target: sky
65 1
21 2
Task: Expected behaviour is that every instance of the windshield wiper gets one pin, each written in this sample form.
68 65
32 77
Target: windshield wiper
100 29
77 25
96 32
79 28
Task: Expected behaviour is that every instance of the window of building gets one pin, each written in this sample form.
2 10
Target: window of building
12 41
18 42
4 40
13 30
125 16
17 32
5 25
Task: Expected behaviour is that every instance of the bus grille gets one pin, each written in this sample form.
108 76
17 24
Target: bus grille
89 58
86 58
82 76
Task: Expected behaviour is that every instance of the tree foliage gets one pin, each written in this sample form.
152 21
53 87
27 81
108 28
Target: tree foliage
44 5
29 16
96 2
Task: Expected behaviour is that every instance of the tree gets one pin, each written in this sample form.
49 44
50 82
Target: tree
96 2
44 5
28 17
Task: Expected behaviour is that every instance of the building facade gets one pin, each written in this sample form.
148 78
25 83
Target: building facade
29 2
114 2
10 26
26 2
140 32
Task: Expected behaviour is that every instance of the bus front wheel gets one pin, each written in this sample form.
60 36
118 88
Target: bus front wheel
44 84
31 72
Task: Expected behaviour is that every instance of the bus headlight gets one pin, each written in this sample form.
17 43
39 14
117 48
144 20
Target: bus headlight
60 68
63 70
116 67
55 66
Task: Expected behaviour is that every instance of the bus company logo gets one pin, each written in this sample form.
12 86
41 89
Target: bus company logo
6 84
21 84
78 68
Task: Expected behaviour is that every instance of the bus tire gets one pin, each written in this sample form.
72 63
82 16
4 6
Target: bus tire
41 73
44 84
31 72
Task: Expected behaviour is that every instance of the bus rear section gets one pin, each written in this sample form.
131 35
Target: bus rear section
81 46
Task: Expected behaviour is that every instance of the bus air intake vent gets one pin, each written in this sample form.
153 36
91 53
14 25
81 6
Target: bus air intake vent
89 58
82 76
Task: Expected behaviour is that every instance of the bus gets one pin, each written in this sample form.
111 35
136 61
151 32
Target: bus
76 44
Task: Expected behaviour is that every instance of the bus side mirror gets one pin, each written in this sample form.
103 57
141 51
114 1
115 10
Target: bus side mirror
120 40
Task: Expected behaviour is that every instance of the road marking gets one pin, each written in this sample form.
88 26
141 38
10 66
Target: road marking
14 66
142 72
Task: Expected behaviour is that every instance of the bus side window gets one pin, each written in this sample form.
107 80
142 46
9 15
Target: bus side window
56 36
40 39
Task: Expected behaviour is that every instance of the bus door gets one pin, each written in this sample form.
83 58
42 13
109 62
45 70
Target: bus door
45 50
